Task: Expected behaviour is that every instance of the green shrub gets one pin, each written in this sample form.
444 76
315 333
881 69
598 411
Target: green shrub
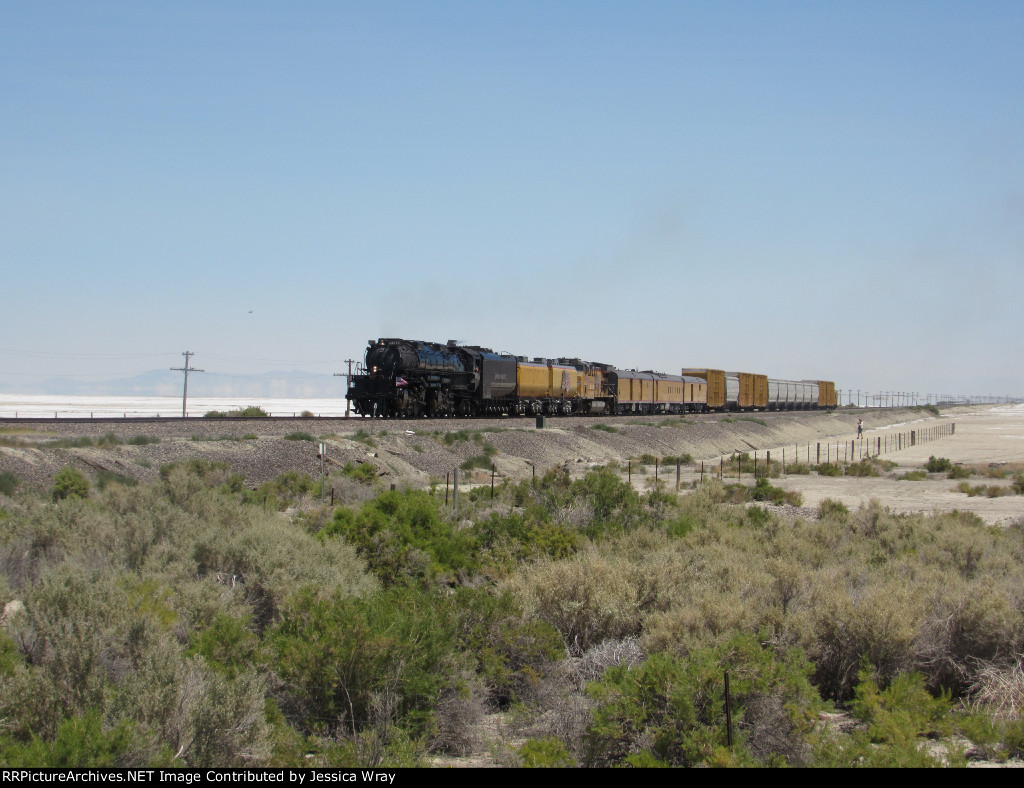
902 713
81 742
300 436
960 472
671 711
363 472
862 468
548 752
354 664
604 428
362 436
829 469
913 476
105 478
70 483
142 440
763 491
832 508
403 539
937 464
481 461
250 412
8 483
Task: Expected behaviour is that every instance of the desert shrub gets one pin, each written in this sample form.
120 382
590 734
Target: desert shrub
105 478
604 428
300 436
70 483
829 469
903 712
209 473
227 643
510 653
480 461
506 541
356 664
764 491
862 468
548 752
362 436
615 505
879 623
8 483
937 464
988 490
142 440
647 459
587 598
403 539
999 688
363 472
913 476
81 741
671 711
250 412
832 508
960 472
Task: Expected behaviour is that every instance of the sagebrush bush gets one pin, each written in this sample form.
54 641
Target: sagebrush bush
70 483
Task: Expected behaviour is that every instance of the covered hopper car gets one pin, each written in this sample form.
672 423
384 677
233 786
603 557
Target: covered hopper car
408 379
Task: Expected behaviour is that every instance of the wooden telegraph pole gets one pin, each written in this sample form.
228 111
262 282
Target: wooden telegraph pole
186 369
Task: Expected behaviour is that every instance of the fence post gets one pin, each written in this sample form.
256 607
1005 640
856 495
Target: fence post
728 711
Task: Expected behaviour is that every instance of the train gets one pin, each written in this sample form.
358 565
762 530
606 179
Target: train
404 378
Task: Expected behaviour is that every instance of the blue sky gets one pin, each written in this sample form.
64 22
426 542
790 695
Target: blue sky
809 190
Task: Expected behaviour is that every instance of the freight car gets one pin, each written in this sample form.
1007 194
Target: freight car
409 378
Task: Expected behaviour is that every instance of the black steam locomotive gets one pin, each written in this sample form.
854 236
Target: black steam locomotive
409 378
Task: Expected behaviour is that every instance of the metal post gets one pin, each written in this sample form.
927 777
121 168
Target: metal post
323 471
728 711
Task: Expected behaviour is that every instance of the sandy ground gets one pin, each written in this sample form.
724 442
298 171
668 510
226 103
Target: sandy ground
992 437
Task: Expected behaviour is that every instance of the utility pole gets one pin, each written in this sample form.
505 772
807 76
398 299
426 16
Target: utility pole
348 384
186 369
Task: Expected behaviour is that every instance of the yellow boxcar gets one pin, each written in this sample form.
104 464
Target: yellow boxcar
715 382
826 394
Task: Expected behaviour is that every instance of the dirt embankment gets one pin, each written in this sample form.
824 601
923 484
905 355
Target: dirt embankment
418 453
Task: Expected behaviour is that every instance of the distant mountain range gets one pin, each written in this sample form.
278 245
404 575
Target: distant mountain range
294 384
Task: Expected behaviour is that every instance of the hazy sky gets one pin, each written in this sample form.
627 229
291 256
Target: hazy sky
809 190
